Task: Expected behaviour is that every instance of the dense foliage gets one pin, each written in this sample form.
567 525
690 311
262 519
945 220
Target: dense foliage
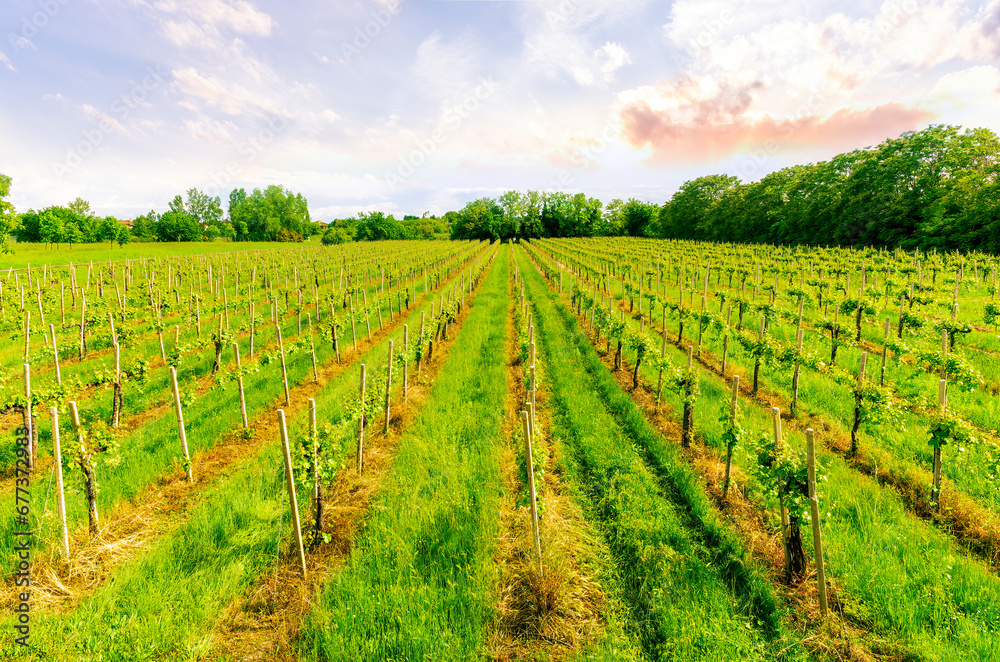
936 188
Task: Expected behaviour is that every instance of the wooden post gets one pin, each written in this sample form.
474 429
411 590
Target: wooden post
361 422
118 399
687 429
83 326
795 374
29 419
729 447
663 353
284 370
421 337
814 512
27 334
253 326
526 425
725 353
885 353
180 423
368 323
776 419
388 387
944 353
406 357
55 353
292 500
239 383
89 487
317 480
60 494
942 404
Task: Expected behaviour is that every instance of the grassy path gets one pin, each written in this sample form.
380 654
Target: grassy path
902 580
418 585
692 592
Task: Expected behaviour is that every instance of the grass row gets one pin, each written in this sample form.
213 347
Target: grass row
162 604
901 577
418 583
694 594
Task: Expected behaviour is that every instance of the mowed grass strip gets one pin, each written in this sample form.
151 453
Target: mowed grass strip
692 592
418 586
162 604
898 577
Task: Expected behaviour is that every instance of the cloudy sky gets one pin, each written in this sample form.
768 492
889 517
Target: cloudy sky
423 105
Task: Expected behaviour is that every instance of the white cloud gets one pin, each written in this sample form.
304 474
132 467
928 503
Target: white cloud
236 15
230 98
614 57
6 61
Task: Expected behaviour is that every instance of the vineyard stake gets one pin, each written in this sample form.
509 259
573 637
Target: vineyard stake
290 483
239 383
180 423
531 486
406 356
117 401
29 421
776 418
55 353
60 494
284 370
885 353
942 403
86 468
361 422
729 449
317 478
27 333
795 374
388 387
814 512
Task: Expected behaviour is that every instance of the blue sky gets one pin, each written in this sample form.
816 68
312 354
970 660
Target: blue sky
424 105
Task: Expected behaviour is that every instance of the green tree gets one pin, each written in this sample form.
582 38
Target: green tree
80 206
144 226
638 218
9 221
480 219
377 226
688 213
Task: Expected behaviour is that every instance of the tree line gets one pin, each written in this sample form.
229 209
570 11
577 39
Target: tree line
938 188
272 214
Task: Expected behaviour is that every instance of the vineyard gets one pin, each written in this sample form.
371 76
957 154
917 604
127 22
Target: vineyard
601 449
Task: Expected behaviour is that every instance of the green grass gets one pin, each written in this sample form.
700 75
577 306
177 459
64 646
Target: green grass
163 605
154 450
418 584
902 578
693 592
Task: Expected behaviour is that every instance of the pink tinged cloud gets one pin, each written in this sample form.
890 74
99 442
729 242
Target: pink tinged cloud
713 134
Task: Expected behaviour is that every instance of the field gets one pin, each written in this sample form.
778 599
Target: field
561 449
